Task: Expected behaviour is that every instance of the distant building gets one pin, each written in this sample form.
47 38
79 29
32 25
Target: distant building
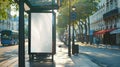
106 20
5 24
9 24
14 23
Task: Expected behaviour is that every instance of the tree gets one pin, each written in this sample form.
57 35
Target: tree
84 9
63 18
5 5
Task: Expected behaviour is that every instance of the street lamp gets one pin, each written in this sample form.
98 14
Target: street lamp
73 8
73 18
69 37
70 17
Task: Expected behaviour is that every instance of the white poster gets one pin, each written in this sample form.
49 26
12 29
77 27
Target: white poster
41 32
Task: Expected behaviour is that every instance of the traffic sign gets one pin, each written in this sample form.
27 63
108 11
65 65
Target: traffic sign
73 16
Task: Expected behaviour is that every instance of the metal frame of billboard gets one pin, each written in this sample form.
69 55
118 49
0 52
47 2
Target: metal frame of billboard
53 33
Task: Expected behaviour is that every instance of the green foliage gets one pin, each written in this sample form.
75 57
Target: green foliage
84 9
5 6
63 20
60 32
3 14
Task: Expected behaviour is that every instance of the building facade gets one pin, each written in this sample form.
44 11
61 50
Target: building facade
106 20
9 24
6 24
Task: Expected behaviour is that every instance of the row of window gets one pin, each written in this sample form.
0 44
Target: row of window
111 4
108 5
97 18
111 23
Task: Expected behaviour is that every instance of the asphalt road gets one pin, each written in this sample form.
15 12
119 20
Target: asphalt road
102 56
9 55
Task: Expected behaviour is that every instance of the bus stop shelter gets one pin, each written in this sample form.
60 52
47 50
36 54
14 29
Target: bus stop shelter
32 7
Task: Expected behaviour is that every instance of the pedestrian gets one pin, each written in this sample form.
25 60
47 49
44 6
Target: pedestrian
97 41
94 40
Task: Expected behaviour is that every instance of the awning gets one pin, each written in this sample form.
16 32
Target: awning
103 31
115 31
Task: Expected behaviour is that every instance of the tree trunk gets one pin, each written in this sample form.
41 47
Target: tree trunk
89 30
82 35
80 28
85 35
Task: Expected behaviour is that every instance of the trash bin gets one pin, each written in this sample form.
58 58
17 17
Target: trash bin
75 49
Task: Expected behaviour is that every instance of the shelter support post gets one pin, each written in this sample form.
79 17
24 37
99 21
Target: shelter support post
29 34
21 34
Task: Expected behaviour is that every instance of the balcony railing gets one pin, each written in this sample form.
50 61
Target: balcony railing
111 13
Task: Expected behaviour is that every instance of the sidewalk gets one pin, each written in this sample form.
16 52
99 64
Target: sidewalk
77 60
61 59
100 46
82 61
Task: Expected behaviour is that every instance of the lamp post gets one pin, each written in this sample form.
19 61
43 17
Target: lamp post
69 37
73 18
73 42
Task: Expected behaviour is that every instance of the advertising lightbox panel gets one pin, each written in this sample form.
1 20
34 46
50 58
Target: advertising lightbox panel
41 32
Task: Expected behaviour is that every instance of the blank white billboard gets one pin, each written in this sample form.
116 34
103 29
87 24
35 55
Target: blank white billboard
41 32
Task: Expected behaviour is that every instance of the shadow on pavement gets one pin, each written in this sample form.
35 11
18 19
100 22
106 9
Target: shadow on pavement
42 64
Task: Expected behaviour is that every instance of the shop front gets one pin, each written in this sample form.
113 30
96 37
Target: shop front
106 37
117 34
